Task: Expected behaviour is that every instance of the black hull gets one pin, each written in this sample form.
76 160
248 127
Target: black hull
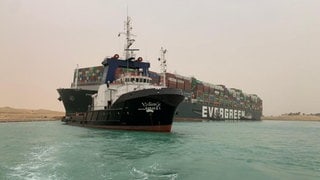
186 111
144 110
75 101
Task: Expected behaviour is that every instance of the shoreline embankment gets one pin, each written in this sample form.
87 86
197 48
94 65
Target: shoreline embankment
8 114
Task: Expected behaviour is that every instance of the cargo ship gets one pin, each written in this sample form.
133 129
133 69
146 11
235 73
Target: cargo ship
202 101
128 101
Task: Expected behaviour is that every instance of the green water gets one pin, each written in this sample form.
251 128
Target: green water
207 150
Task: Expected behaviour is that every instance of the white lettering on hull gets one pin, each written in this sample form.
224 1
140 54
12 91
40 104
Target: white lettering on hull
210 109
226 113
231 113
150 107
204 111
221 113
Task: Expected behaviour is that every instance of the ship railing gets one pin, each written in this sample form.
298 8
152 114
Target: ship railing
101 108
109 109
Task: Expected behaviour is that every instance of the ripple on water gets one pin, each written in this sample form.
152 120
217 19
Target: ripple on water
39 163
155 171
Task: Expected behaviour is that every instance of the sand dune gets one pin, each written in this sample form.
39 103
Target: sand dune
8 114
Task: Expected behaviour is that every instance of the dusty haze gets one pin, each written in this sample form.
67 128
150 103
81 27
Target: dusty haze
269 48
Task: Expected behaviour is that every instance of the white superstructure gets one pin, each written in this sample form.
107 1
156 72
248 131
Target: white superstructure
108 94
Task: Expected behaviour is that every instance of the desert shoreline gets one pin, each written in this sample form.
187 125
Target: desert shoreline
292 118
8 114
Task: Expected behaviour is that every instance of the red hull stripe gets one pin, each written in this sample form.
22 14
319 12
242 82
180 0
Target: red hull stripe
161 128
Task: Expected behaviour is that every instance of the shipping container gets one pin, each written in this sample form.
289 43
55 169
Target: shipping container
206 89
199 87
187 85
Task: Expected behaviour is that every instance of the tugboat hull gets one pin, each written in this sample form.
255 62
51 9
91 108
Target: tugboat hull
143 110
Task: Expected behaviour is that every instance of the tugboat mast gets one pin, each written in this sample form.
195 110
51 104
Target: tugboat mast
163 64
129 53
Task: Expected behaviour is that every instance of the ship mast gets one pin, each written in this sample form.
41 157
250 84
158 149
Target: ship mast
76 79
163 65
129 53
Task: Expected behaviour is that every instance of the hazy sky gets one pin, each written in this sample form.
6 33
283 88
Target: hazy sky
267 47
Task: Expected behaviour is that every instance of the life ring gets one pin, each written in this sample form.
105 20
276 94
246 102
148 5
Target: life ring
140 59
116 56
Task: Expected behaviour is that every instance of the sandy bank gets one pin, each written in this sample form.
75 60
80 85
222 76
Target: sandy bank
8 114
293 118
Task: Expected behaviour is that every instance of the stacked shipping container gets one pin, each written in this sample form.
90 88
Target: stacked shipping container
198 91
217 95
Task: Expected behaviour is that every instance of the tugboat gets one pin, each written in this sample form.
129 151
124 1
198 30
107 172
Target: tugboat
130 101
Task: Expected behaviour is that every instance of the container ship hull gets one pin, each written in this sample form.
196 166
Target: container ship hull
188 111
75 101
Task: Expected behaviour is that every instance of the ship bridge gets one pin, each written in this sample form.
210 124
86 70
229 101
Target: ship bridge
135 80
111 65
